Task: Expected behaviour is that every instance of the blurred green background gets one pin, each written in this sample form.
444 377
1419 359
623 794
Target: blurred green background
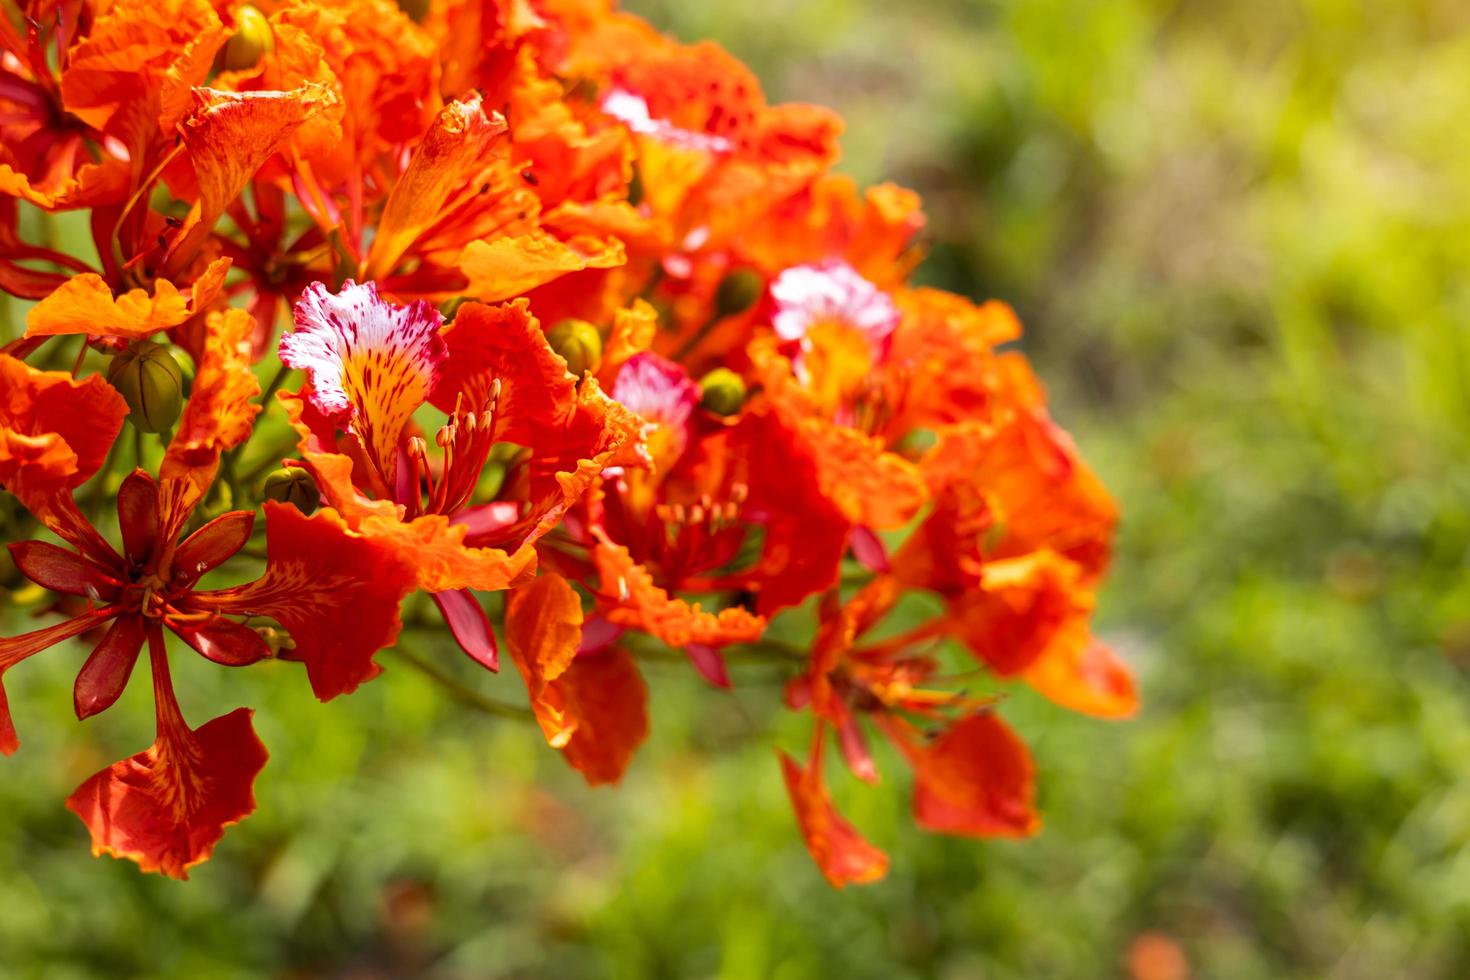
1239 234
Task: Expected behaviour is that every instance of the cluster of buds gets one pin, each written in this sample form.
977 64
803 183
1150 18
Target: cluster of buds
546 304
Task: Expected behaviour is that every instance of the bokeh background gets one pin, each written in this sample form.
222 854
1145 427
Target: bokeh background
1239 234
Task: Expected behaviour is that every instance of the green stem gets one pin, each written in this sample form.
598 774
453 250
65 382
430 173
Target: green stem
456 689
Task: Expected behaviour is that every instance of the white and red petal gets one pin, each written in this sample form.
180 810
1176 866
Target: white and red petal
371 363
663 394
631 109
831 292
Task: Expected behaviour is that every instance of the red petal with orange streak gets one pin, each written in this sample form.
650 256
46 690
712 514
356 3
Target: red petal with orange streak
336 592
606 694
630 598
574 431
505 343
543 626
168 806
976 779
842 854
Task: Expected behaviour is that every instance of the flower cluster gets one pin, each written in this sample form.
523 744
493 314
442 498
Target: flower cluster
548 305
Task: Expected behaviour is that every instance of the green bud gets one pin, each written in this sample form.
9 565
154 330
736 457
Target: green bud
417 10
738 292
449 309
722 392
252 40
635 187
579 343
150 381
292 485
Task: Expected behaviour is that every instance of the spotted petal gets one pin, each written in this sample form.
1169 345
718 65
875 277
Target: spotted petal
372 363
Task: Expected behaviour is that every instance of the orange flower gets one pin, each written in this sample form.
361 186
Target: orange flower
166 807
1019 535
371 364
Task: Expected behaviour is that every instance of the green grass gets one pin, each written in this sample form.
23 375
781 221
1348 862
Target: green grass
1238 235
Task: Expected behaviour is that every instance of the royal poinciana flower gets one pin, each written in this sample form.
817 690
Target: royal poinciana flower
372 364
554 306
167 807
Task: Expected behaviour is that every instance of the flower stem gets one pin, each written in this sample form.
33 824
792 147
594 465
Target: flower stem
456 689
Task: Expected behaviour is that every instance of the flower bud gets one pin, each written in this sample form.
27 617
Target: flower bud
722 392
579 344
738 292
292 485
150 381
252 40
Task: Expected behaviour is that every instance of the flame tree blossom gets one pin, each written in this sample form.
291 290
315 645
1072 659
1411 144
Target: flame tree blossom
532 310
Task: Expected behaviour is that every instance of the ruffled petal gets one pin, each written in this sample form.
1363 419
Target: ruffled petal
976 779
335 591
452 152
168 806
221 410
842 854
229 135
85 304
628 597
500 268
371 363
55 431
543 627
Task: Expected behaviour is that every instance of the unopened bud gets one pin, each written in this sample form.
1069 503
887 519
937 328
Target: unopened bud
579 343
292 485
738 292
150 381
252 40
722 392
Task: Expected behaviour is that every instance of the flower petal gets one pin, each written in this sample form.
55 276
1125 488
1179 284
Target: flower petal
452 152
103 677
1086 677
220 413
55 431
543 627
336 592
372 363
168 806
606 695
210 546
85 304
842 854
229 135
224 641
504 267
60 570
976 779
629 597
469 626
